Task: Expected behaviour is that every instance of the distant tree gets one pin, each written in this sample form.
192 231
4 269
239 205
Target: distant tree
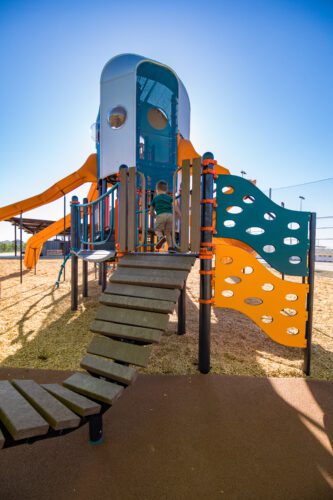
9 246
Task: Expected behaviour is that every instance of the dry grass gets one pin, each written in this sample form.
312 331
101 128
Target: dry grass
38 330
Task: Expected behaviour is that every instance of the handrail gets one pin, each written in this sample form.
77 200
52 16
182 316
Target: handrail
82 205
141 240
86 209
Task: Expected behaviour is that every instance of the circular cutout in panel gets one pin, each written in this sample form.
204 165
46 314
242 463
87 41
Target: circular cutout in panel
247 270
287 311
266 319
269 216
292 330
117 117
233 280
269 248
253 301
290 241
255 231
226 260
229 223
248 199
157 118
291 297
234 210
267 287
294 259
227 190
293 225
227 293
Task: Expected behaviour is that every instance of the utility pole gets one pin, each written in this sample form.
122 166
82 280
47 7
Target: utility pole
301 198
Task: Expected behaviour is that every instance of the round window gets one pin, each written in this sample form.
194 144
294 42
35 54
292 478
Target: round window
117 117
157 118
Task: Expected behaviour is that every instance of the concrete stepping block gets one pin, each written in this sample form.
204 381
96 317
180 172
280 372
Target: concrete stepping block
159 273
118 330
143 291
74 401
18 416
119 351
154 320
55 413
155 263
132 278
107 368
163 257
162 306
93 387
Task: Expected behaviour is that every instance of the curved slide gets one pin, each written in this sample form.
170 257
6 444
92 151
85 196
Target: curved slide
87 173
35 243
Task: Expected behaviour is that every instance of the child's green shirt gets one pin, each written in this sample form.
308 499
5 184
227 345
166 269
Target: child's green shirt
162 204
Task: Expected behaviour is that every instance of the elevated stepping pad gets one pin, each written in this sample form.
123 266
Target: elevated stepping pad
142 291
93 387
120 351
162 306
18 416
151 262
96 255
77 403
148 319
159 273
147 335
109 369
55 413
129 276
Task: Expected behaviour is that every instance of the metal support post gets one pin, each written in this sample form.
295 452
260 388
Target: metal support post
100 274
206 264
181 328
84 262
75 243
308 332
64 252
96 429
15 240
21 250
104 271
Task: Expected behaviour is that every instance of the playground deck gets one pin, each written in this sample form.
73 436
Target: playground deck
39 330
187 437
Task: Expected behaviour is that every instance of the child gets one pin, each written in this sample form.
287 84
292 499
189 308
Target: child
162 205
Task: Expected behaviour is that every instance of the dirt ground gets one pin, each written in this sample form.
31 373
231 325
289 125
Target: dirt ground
38 329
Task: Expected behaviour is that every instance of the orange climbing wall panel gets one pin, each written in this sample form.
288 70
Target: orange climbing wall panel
277 306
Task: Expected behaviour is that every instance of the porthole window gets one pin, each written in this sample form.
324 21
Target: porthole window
117 117
157 118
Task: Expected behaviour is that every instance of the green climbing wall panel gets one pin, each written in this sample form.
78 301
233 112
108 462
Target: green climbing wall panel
278 235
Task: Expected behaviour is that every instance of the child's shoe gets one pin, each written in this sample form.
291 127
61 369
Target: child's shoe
160 242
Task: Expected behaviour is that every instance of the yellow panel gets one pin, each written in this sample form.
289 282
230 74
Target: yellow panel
243 284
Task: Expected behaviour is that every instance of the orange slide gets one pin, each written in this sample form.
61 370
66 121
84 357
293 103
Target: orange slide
87 173
35 243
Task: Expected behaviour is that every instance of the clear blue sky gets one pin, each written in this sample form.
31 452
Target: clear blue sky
259 75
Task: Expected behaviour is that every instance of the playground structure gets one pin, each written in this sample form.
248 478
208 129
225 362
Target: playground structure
226 222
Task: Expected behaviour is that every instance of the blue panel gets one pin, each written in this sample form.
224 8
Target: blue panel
278 235
157 92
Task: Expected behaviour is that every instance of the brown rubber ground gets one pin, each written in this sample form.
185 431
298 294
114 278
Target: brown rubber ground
179 437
